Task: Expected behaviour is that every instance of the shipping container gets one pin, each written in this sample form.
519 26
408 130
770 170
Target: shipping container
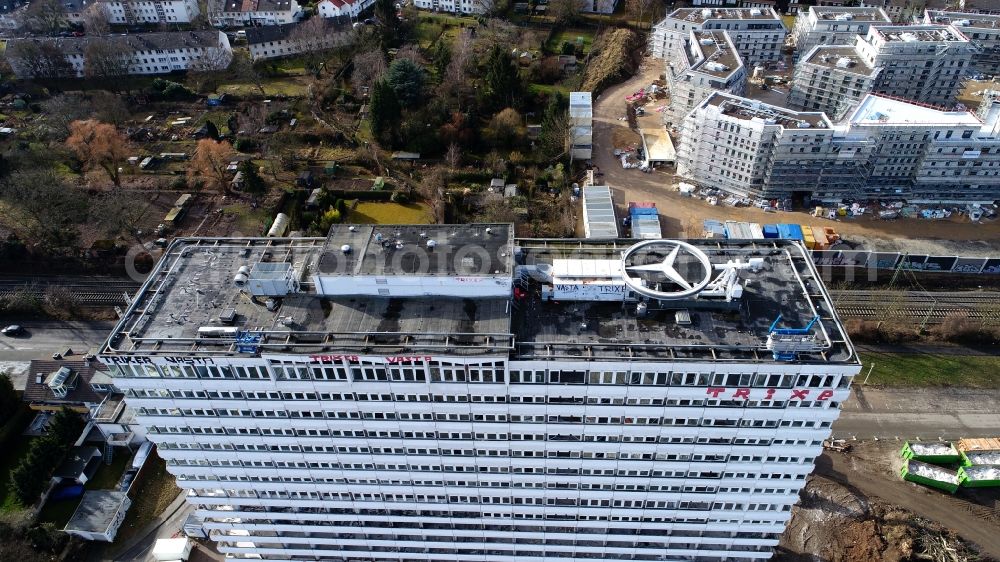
641 205
987 476
646 227
937 453
713 229
757 233
807 237
930 475
790 232
770 231
643 211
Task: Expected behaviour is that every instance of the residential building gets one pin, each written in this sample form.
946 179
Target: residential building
131 12
923 63
831 80
581 125
342 8
142 53
99 515
982 29
455 6
276 41
240 13
53 385
820 25
899 11
758 34
396 392
886 148
705 63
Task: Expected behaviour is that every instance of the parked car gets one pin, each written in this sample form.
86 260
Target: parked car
12 330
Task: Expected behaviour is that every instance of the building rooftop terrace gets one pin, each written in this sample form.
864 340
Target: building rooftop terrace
920 34
839 57
700 15
964 19
191 289
849 14
718 55
748 109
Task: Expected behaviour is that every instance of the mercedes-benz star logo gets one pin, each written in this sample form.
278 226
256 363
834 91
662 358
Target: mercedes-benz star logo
637 267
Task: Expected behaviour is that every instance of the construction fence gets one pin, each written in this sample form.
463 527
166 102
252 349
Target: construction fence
912 262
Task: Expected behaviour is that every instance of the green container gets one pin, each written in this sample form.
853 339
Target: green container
968 481
907 473
931 453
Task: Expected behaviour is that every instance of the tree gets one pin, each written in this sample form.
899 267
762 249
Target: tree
10 404
507 128
64 427
501 81
313 37
637 10
49 210
253 184
243 68
388 22
122 212
43 17
106 60
96 19
453 156
99 145
369 67
564 12
406 78
555 127
38 59
432 189
211 160
31 476
457 130
385 113
442 57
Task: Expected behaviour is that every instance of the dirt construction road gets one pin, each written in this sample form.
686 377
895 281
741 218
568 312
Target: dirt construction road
972 521
683 216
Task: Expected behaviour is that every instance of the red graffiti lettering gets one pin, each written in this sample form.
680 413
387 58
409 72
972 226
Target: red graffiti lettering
825 395
743 393
715 392
800 394
770 394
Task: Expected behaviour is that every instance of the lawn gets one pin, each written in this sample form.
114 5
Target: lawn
249 220
896 369
17 449
390 213
571 36
548 89
293 86
151 494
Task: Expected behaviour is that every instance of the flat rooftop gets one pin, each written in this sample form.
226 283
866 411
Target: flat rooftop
699 15
96 512
920 34
718 54
411 249
875 109
747 109
841 58
846 14
964 19
192 288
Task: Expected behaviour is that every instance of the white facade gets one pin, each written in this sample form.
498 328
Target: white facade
477 447
455 6
757 33
235 13
338 8
885 148
130 12
706 63
144 53
982 29
277 41
581 125
833 26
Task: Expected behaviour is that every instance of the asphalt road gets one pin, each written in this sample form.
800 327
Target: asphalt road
45 337
925 413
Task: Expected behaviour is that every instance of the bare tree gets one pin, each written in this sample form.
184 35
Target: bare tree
315 36
43 17
38 59
205 69
453 156
369 67
432 188
99 145
107 60
638 9
96 19
61 110
123 212
242 68
564 12
495 32
51 209
211 160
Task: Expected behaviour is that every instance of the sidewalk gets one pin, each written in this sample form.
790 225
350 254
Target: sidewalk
144 533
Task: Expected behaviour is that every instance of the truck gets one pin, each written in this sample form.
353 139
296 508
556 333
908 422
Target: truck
645 220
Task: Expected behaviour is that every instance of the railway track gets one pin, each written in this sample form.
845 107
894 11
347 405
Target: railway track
932 307
88 292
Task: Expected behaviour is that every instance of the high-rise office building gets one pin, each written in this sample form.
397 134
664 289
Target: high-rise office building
453 393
